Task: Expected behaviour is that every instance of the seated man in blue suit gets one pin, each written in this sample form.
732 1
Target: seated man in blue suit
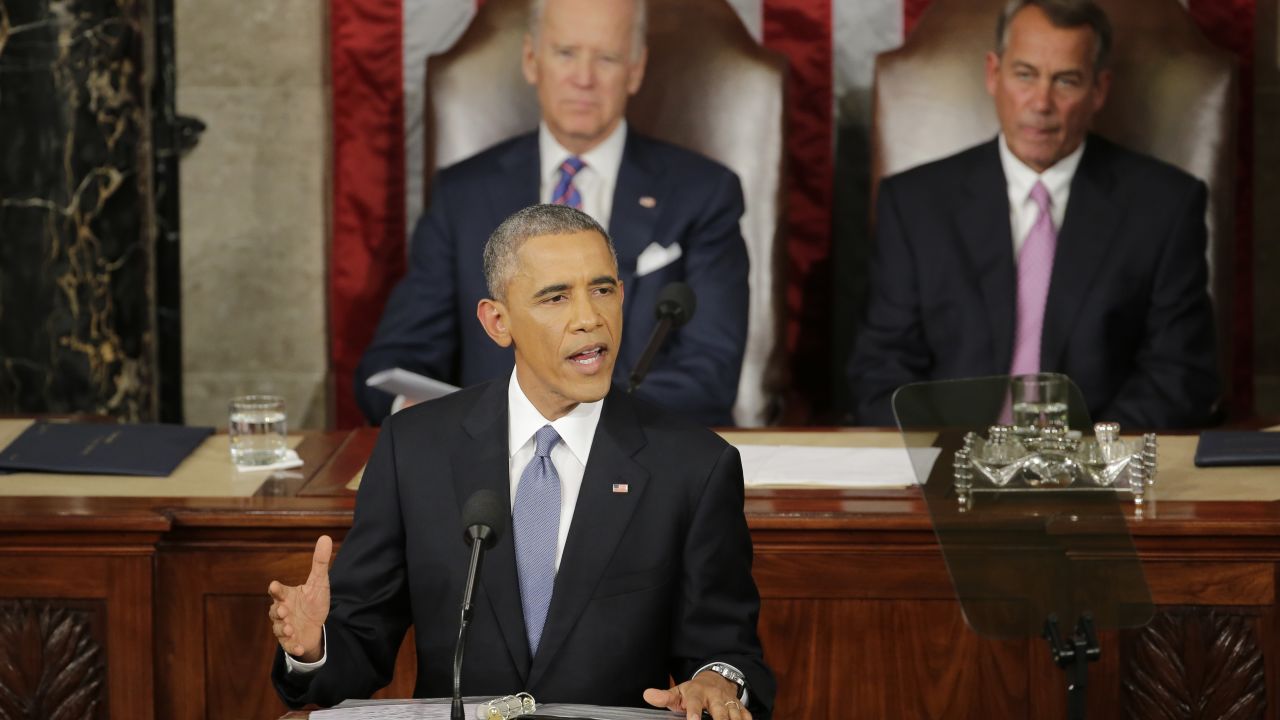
1046 249
673 215
628 560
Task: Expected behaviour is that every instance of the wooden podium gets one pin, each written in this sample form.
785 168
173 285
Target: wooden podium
155 607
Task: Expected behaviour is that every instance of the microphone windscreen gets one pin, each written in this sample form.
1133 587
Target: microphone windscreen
486 509
677 301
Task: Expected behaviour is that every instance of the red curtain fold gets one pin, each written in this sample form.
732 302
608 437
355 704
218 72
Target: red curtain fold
801 30
367 255
911 12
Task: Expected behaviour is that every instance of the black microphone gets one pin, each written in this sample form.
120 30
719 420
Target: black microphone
676 304
484 517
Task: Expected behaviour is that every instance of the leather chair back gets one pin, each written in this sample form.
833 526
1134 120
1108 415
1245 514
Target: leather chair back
1173 96
708 87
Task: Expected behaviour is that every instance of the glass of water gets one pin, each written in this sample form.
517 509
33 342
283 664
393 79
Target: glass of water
257 430
1039 400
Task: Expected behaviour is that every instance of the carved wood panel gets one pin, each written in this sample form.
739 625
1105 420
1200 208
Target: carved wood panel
1195 663
51 660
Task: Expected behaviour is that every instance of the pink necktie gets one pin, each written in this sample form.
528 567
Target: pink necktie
1035 266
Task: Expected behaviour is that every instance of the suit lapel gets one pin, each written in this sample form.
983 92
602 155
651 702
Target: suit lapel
481 461
631 223
599 520
1087 229
984 225
519 182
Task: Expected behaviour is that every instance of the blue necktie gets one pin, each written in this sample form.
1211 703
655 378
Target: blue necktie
536 519
565 192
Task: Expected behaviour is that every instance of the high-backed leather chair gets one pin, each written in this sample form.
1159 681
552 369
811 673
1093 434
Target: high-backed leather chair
1173 96
708 87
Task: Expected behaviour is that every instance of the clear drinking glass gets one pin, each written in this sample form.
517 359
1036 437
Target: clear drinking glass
1039 400
257 429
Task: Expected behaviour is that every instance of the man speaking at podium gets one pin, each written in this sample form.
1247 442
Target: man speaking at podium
628 561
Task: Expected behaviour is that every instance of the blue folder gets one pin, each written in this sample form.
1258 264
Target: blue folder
101 448
1237 447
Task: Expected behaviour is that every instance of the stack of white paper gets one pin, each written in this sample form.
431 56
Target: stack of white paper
862 468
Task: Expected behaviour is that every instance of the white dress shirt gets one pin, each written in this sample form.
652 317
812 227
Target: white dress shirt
1019 179
595 182
577 431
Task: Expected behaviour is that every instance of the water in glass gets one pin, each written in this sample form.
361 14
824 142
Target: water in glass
257 435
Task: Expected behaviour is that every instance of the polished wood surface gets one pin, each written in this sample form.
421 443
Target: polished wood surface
859 617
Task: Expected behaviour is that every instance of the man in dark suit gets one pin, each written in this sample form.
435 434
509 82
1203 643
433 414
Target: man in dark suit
1047 249
673 215
629 559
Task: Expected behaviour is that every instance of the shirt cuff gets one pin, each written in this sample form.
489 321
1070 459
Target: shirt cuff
744 698
398 404
306 668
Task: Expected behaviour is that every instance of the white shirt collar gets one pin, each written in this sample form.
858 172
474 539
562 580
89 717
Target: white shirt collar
577 429
604 159
1057 179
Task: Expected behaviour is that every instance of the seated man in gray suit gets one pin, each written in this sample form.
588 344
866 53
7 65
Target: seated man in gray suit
628 560
1046 249
673 215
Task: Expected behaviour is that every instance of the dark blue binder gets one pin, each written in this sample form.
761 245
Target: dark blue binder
1237 447
101 448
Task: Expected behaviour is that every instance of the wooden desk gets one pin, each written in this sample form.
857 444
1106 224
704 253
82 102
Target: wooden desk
858 617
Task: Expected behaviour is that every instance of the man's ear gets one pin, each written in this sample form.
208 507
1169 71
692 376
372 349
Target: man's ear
493 317
992 72
635 73
528 61
1101 85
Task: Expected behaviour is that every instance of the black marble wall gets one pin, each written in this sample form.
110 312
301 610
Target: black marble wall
77 228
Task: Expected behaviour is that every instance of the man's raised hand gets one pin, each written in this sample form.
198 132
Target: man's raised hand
298 611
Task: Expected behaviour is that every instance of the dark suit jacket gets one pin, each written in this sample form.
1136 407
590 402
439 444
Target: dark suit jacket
653 582
1128 315
429 324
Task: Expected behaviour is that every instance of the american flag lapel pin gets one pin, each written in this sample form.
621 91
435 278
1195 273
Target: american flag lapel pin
621 488
647 202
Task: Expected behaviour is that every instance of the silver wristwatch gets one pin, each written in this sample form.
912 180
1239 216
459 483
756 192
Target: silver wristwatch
730 673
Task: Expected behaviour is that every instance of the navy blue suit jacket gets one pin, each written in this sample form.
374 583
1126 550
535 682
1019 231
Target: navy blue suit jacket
1128 316
653 582
430 327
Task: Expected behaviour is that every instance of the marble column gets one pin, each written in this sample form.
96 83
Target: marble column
77 225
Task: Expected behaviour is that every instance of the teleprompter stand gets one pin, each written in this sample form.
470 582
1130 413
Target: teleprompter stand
1032 548
1074 654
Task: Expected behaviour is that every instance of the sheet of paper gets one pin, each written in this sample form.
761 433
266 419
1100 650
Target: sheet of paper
431 709
834 467
436 708
416 388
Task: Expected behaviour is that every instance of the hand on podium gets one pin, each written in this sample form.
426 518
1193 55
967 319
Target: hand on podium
707 692
298 612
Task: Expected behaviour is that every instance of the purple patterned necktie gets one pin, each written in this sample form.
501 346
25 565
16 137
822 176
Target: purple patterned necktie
565 192
536 521
1035 267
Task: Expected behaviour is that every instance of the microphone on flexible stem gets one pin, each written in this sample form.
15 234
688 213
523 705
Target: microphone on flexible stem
676 304
484 517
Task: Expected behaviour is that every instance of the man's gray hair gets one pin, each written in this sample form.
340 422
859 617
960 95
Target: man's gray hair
639 24
1063 14
531 222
